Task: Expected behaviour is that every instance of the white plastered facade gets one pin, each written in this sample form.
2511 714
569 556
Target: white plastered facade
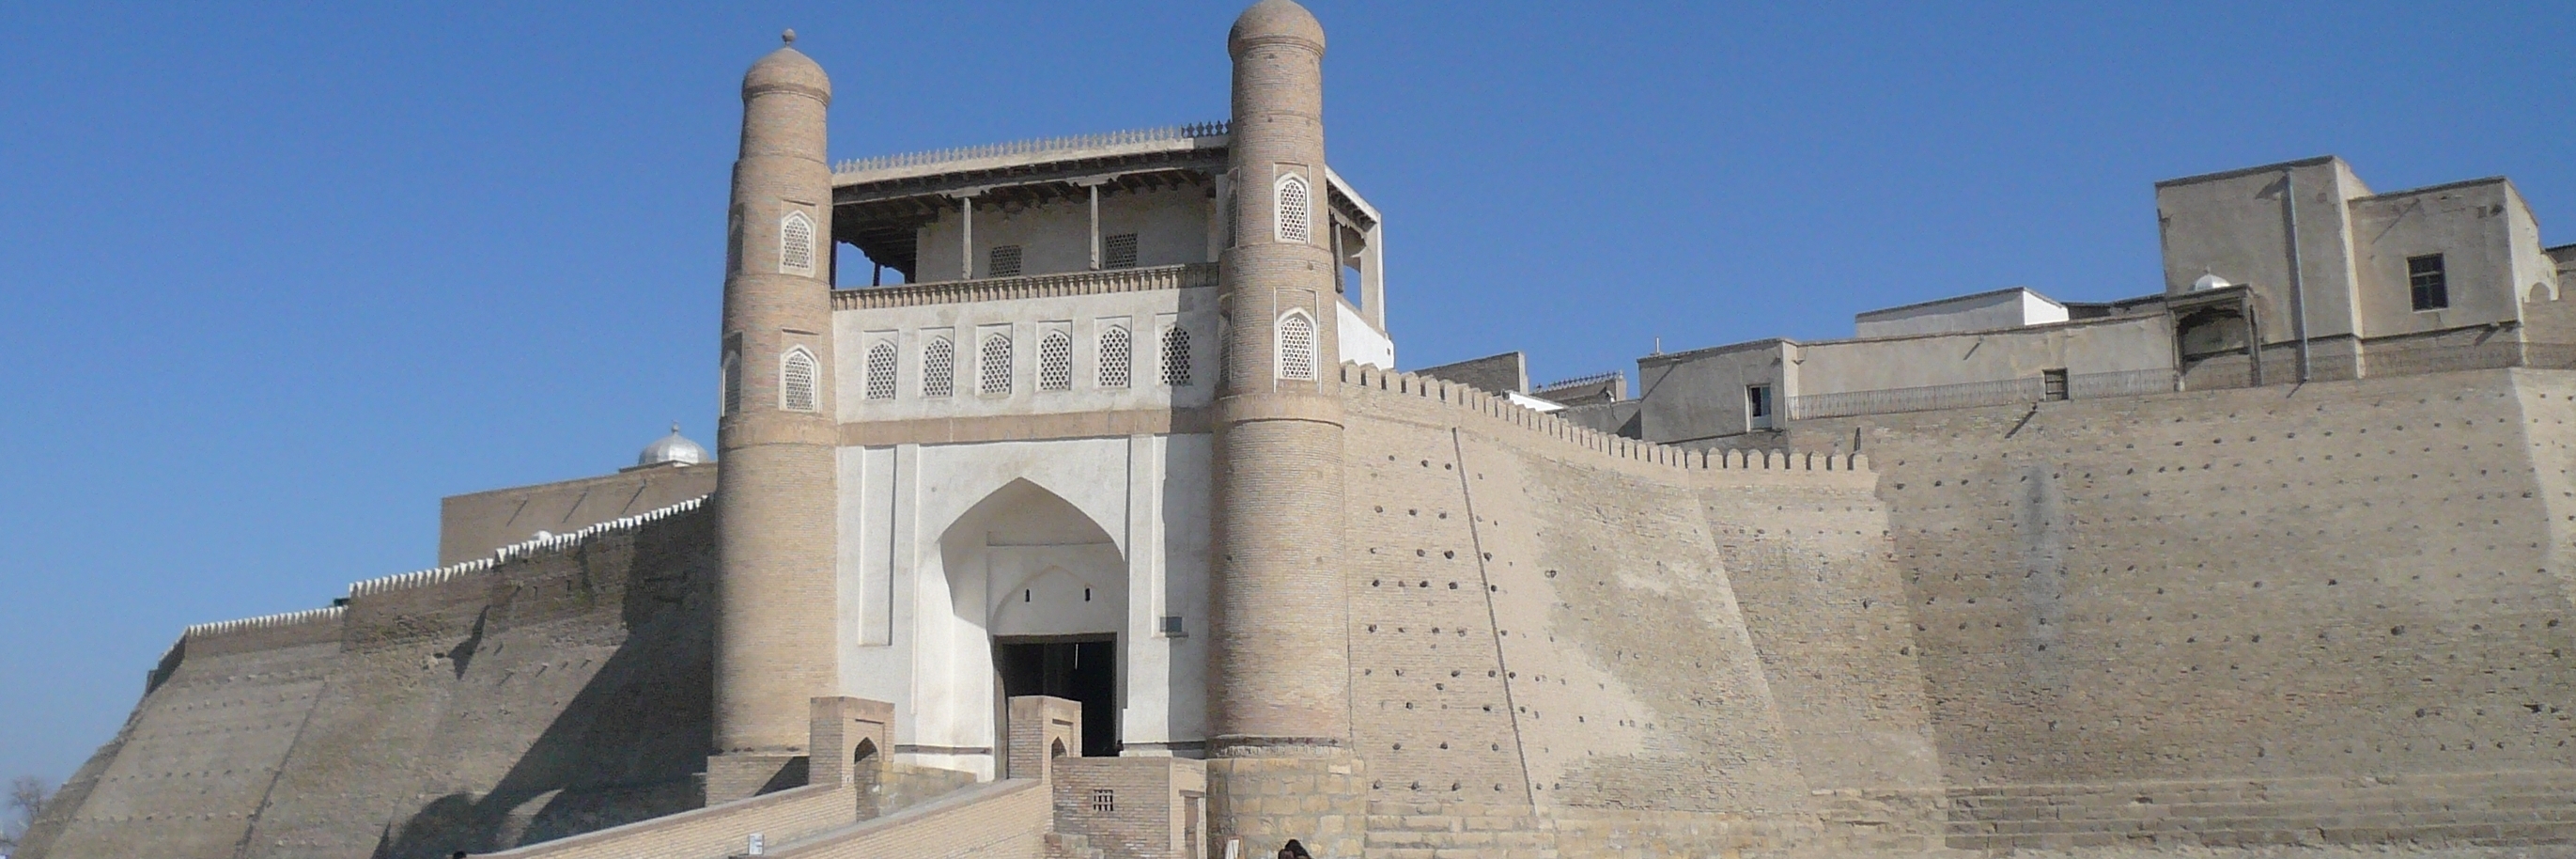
945 547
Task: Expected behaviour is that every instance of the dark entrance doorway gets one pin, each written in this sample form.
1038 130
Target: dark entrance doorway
1078 669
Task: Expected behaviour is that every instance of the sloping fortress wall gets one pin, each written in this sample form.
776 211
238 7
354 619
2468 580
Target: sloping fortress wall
2334 612
559 689
1595 644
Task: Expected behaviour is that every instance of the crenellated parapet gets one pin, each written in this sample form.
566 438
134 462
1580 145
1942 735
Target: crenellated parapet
319 623
329 614
542 544
1360 380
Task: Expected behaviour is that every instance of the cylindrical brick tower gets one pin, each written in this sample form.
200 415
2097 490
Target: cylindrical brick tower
1280 720
775 603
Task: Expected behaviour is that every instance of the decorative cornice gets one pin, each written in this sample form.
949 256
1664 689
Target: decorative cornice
1039 286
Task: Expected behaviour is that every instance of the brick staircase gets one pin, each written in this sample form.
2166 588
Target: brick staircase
2484 809
1411 830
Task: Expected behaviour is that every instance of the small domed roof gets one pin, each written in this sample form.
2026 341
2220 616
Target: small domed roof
1275 20
673 449
786 68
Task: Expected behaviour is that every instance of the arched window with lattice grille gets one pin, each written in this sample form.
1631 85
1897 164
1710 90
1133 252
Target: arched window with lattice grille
1294 210
732 381
796 244
798 374
939 368
1117 350
1297 346
1176 356
993 365
1055 362
881 371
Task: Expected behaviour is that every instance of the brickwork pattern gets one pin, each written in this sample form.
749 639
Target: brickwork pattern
561 690
1825 605
776 622
197 759
1434 716
2359 582
1144 818
1596 640
2479 809
1320 800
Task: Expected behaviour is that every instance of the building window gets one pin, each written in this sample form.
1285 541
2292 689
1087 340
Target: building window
1296 346
1757 406
993 369
2052 384
2424 278
1294 217
1055 362
939 368
797 373
1002 261
1118 251
1104 800
1176 356
733 239
881 371
732 381
796 244
1116 349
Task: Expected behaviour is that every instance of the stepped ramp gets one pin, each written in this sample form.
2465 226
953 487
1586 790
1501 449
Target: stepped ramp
711 832
1007 819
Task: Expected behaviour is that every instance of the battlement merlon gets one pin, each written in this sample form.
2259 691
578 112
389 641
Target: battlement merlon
1142 198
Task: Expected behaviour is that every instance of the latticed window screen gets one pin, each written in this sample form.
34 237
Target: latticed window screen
1296 211
796 378
732 382
795 243
1055 362
1104 800
1176 356
1002 261
881 371
1296 347
939 368
1116 350
993 373
1118 251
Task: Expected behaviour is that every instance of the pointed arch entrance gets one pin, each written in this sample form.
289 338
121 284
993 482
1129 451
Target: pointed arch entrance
1040 589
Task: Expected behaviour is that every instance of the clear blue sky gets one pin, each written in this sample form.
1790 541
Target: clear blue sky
272 281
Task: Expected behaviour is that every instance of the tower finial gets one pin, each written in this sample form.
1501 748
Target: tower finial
789 37
675 427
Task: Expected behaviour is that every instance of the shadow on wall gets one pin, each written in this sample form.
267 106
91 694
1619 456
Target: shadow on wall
628 746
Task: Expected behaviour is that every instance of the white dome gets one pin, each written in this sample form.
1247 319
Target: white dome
673 449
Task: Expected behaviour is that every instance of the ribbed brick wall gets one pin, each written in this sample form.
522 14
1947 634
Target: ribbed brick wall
1555 641
560 690
2487 809
2325 614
